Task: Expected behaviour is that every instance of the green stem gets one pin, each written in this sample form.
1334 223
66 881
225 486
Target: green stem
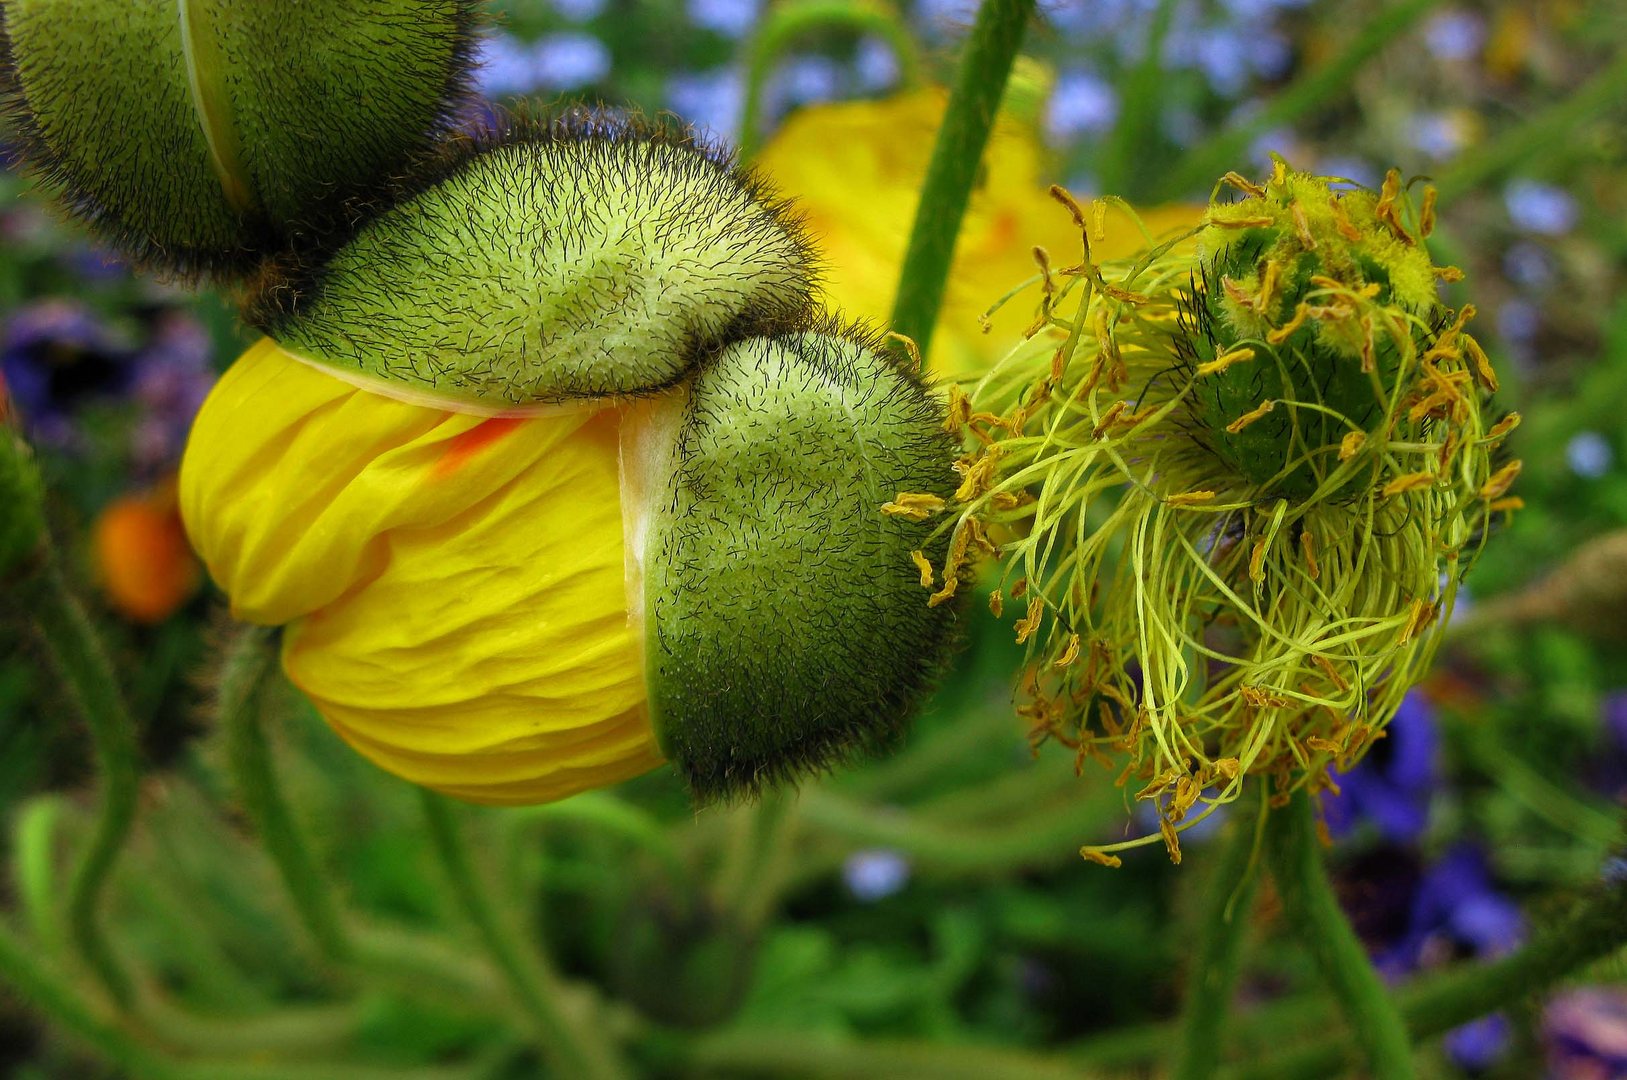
1313 910
1596 929
245 672
1202 165
785 23
55 1000
1228 898
34 869
793 1053
573 1049
77 657
1531 139
1139 101
979 84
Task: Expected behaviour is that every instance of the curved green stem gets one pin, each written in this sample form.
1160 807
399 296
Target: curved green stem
785 23
1594 930
246 669
1531 139
1203 165
55 1000
80 662
1313 910
34 869
1228 898
979 84
1139 99
573 1049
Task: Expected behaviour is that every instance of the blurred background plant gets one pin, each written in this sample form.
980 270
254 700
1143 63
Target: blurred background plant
926 914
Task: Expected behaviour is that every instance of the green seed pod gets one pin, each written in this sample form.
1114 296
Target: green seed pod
786 626
583 256
197 135
1312 284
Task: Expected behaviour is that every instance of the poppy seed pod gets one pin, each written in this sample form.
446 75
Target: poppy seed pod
1237 481
581 256
613 494
199 135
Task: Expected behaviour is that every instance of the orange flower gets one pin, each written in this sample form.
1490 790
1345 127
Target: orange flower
143 561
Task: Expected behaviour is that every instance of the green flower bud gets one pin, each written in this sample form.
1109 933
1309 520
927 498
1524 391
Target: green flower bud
200 134
786 626
22 513
577 257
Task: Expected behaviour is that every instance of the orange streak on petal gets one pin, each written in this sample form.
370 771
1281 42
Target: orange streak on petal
463 448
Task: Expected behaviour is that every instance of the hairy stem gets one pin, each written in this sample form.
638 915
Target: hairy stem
573 1049
1228 898
785 23
79 660
1596 929
1314 912
979 84
246 670
54 999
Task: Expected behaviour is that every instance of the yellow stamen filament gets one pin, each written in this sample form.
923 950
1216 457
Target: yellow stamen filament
1029 624
1239 355
913 505
1409 482
920 560
1190 498
1249 417
1501 480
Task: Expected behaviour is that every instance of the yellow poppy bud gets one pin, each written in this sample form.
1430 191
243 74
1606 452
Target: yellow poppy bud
514 609
453 586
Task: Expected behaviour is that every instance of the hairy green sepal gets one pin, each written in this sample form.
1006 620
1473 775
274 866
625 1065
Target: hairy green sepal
200 134
578 257
786 624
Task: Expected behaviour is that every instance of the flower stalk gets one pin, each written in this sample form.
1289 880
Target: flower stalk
570 1047
245 673
79 660
1313 910
980 82
1227 901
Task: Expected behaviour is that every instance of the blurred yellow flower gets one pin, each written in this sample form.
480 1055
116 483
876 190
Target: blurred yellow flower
453 586
855 170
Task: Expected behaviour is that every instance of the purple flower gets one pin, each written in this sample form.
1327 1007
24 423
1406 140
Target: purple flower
1477 1045
173 374
54 355
1392 785
1456 911
1586 1033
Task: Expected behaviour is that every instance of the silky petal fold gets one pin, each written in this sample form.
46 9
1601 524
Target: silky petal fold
454 587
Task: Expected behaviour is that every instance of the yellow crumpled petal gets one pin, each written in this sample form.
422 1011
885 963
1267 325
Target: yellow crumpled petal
855 170
454 586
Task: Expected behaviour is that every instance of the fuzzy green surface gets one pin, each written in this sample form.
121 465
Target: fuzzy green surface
580 257
308 103
787 626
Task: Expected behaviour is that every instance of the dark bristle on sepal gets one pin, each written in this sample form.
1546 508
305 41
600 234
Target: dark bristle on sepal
218 252
288 282
797 637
